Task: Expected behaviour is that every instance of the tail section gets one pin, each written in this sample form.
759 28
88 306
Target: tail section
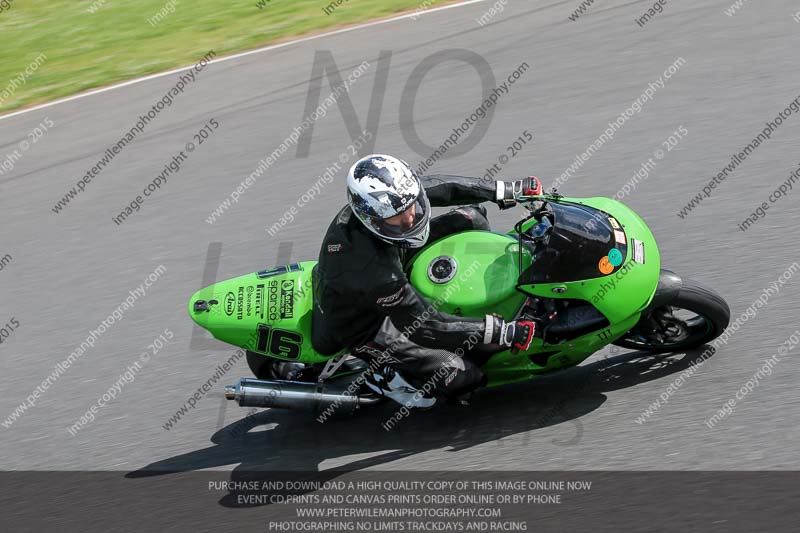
267 312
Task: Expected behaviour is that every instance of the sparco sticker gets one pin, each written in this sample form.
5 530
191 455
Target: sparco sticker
272 299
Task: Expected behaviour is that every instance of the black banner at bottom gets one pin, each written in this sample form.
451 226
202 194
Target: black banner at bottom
351 501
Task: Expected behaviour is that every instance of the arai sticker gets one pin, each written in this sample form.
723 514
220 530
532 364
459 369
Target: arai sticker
605 266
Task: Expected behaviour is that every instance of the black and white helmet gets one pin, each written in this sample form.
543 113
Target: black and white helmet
387 197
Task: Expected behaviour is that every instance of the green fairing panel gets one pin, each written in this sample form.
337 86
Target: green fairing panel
508 367
267 312
485 276
630 286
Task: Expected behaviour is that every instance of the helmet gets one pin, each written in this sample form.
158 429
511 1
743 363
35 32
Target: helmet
387 197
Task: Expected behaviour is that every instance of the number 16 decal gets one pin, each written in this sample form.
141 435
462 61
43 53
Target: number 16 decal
278 342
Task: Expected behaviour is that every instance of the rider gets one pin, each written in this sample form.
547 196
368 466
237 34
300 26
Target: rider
364 301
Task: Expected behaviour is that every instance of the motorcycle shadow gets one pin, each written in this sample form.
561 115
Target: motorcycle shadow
274 441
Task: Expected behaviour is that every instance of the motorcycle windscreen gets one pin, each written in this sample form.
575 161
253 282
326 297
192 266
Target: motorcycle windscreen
580 247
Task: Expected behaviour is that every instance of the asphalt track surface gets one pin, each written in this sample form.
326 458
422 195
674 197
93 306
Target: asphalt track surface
71 270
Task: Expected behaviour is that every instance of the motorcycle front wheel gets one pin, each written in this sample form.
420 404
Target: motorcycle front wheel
695 316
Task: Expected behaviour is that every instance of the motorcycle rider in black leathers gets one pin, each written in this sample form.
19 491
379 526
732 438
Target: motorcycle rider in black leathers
364 302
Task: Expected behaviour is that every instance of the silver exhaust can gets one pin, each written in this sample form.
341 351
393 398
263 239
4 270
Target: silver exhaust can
279 394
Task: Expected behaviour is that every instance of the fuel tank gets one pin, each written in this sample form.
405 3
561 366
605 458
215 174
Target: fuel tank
471 274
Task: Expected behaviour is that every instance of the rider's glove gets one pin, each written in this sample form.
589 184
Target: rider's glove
517 334
508 192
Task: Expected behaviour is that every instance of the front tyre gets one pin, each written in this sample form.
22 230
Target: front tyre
692 317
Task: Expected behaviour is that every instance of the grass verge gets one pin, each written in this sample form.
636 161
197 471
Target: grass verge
55 48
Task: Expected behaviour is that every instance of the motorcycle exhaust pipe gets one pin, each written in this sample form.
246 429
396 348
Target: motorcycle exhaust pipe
299 395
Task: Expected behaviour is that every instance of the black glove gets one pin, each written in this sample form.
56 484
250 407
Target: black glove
517 334
508 192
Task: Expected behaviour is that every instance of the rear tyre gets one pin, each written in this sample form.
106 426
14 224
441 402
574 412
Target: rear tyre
258 364
695 316
264 367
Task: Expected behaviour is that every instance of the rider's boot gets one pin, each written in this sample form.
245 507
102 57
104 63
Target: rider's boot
389 383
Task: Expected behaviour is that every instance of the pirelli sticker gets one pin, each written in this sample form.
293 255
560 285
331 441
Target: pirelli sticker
259 308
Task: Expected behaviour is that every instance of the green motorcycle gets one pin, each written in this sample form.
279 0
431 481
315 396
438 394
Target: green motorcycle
587 270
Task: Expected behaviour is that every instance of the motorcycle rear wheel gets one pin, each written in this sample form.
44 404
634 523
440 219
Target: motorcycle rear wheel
264 367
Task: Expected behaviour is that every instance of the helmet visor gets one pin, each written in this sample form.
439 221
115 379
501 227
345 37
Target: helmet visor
408 223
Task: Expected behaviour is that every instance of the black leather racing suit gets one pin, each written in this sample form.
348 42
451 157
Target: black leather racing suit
364 302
